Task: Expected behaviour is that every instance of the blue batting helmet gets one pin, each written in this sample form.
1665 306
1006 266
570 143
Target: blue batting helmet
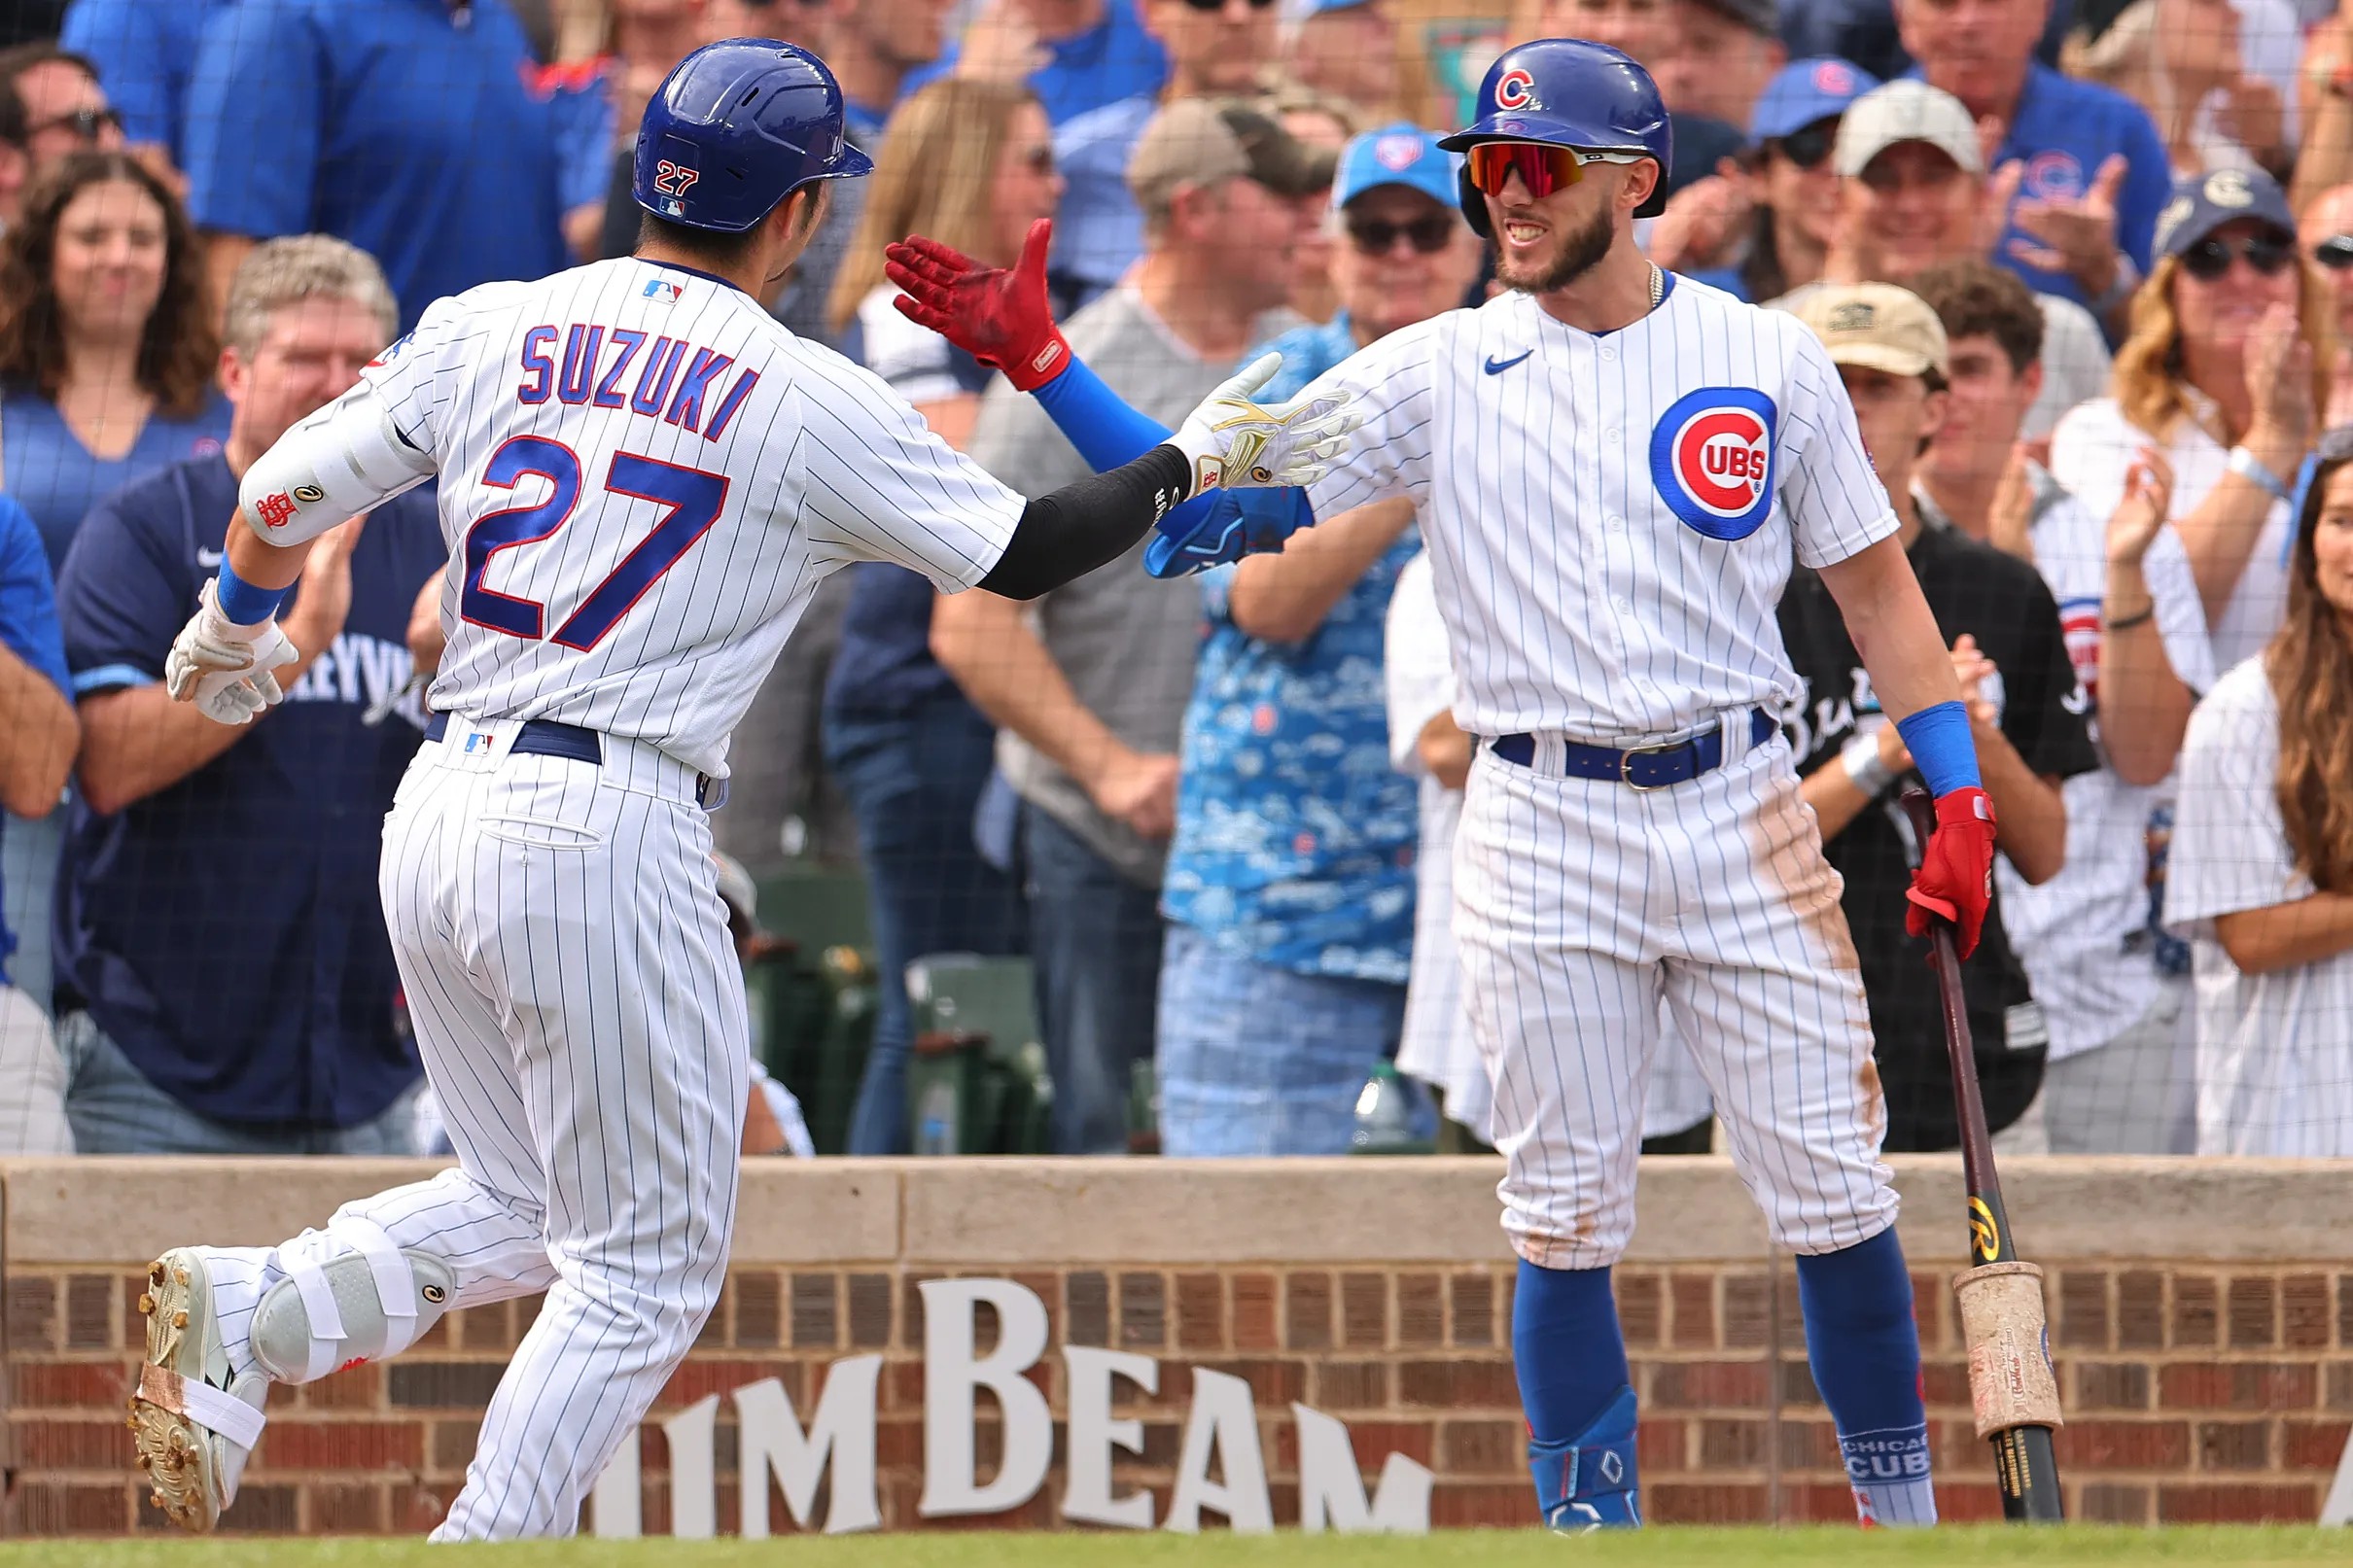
1565 92
738 126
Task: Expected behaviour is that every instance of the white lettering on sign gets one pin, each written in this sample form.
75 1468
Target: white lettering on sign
835 1453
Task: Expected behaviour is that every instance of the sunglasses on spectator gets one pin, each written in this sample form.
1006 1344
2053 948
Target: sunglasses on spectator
1809 145
2335 253
1220 4
1375 237
1541 167
85 124
2210 257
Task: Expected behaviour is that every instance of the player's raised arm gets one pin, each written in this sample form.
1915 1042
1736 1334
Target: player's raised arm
341 462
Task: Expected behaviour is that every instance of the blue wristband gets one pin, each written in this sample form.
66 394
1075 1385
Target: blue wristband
1941 746
241 602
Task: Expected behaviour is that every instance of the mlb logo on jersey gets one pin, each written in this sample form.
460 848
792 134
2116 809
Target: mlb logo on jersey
664 292
1711 458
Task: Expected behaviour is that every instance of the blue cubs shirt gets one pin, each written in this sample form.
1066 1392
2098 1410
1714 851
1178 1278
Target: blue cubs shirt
262 864
28 624
1295 838
404 126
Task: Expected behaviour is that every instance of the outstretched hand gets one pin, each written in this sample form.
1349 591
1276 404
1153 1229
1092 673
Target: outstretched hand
1233 442
997 315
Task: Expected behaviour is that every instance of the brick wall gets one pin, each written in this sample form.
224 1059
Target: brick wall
2210 1386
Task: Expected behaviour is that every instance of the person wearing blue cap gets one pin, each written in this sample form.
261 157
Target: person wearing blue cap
1763 235
1289 886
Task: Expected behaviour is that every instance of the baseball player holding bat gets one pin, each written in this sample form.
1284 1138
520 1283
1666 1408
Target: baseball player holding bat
641 479
1613 469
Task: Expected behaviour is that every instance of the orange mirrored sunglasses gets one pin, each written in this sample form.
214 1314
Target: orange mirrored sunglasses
1543 166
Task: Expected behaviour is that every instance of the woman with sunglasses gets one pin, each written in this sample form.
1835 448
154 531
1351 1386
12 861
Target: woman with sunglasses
2222 374
973 160
2262 857
1771 235
106 361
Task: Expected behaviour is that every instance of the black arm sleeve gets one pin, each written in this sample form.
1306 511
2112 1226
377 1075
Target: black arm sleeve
1062 537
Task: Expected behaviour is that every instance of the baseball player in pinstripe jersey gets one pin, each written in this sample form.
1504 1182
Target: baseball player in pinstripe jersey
1614 468
642 478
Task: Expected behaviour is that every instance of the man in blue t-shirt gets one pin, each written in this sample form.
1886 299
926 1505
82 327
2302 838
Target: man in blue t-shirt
2091 171
1290 888
404 126
37 739
1093 52
279 821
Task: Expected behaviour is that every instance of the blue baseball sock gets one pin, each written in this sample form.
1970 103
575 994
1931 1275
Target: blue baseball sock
1570 1359
1866 1355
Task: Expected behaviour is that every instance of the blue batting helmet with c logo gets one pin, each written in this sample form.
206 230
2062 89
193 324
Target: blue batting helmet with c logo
735 127
1565 92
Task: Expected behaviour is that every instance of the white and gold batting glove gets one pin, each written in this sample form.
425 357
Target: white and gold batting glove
1230 440
227 666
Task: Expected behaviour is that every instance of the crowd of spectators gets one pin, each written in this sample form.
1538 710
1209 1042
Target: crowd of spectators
2085 267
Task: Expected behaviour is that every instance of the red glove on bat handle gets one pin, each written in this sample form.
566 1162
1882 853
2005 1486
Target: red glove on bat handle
999 316
1955 878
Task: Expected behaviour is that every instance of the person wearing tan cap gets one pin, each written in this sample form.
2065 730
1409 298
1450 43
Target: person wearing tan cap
2024 711
1914 191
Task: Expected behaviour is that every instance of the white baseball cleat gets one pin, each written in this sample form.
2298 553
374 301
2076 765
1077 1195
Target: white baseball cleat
192 1421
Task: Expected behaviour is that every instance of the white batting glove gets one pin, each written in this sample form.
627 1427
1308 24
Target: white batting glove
226 668
1233 441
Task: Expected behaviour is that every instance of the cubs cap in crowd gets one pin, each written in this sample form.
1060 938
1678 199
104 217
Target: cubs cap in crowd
1402 154
1906 111
1804 91
1760 17
1877 327
1202 141
2203 202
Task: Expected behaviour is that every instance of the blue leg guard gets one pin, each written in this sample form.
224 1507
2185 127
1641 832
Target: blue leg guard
1589 1483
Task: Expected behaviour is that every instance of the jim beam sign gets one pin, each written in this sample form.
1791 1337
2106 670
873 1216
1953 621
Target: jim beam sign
1220 1437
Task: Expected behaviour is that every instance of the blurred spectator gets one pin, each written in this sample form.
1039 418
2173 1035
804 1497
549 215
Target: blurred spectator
1727 50
142 51
2181 62
180 818
2323 103
790 21
2023 711
1076 54
38 735
1291 881
1650 31
874 46
50 106
1912 192
1864 31
1321 124
972 164
1089 685
1765 231
2262 879
2092 170
106 361
1217 49
1347 50
596 101
409 129
2224 372
2112 994
2324 231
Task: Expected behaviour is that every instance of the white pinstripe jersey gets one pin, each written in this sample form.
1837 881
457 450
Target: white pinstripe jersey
643 479
1612 518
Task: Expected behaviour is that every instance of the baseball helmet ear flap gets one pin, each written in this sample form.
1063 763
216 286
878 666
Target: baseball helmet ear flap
1474 201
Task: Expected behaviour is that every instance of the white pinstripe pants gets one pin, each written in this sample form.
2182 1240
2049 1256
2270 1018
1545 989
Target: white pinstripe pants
577 1001
1580 906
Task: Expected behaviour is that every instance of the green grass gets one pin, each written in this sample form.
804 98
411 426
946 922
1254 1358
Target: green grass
1976 1547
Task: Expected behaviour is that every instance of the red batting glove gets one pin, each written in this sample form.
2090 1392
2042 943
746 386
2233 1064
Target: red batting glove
1955 879
999 316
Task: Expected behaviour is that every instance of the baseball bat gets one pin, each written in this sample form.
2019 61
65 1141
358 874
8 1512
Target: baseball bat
2011 1382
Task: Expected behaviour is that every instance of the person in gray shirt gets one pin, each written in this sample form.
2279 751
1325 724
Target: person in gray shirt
1088 689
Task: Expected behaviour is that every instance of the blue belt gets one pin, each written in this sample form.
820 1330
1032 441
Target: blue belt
540 737
1648 767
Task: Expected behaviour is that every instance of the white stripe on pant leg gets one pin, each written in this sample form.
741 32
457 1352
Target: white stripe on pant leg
635 1063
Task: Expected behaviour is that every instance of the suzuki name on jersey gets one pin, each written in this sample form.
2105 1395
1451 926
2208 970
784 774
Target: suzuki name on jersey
659 377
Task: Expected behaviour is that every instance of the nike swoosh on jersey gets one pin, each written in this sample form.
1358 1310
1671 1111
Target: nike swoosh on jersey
1495 366
206 560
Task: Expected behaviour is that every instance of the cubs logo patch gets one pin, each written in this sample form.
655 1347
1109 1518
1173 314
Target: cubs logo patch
1711 458
1834 77
1397 153
2052 175
1515 88
2229 188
